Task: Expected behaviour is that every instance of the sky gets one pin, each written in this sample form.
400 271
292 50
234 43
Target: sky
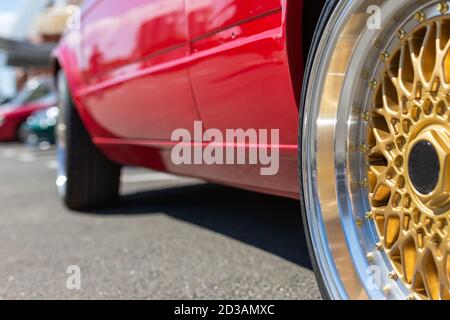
7 19
15 29
7 15
8 5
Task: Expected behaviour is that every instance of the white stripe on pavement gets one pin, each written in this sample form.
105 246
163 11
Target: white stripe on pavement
9 153
52 164
26 157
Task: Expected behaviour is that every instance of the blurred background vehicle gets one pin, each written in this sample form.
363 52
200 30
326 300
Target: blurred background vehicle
39 129
37 94
29 30
4 100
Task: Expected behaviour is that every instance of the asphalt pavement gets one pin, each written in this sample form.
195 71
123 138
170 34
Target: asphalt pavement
169 238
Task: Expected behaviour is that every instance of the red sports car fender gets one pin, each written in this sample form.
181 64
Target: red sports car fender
228 63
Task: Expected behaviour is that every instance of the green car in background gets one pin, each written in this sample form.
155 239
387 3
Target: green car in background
39 129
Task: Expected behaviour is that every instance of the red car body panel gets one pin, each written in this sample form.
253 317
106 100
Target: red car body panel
13 118
140 69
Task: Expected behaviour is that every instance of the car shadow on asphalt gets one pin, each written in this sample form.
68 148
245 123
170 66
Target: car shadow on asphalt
270 223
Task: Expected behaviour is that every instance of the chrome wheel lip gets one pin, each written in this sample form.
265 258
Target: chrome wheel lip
333 217
61 143
317 227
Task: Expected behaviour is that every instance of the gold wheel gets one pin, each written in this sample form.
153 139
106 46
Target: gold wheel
375 138
409 157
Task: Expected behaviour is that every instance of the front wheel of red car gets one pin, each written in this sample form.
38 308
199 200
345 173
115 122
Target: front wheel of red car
375 137
86 178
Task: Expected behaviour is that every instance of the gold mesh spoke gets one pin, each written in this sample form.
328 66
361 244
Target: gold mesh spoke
411 103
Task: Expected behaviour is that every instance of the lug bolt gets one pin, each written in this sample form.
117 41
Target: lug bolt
363 148
364 183
384 56
365 116
411 297
419 16
393 276
359 222
442 7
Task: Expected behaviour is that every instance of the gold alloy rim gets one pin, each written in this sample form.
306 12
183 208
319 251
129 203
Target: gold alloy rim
411 116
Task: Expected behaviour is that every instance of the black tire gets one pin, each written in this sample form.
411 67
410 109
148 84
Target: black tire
91 180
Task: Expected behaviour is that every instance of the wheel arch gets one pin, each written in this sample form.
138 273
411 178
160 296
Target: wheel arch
67 57
301 18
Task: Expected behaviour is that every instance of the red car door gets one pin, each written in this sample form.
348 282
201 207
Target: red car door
134 68
239 68
240 78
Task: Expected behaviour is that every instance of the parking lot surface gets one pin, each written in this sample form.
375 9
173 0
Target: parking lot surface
169 238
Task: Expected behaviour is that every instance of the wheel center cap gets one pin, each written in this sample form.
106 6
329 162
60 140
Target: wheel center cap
428 169
423 166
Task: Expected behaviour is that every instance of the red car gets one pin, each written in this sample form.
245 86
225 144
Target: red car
342 105
38 94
